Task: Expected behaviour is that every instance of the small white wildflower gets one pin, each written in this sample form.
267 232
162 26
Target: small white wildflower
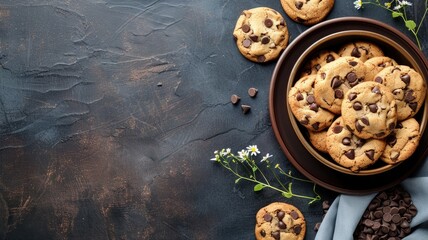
225 152
253 150
243 154
358 4
405 3
398 7
215 158
266 157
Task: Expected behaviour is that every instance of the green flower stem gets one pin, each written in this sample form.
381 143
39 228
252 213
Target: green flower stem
403 15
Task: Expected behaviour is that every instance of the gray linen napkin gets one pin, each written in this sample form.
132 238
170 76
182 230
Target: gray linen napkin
345 212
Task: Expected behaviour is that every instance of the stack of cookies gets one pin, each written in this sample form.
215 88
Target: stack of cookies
358 105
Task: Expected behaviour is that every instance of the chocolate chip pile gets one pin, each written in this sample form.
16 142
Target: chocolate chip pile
388 216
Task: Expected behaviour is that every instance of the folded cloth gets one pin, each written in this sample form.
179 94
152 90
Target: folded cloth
345 212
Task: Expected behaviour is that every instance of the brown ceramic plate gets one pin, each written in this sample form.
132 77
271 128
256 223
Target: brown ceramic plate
290 140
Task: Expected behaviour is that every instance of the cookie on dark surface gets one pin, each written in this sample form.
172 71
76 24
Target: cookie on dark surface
307 12
280 221
261 34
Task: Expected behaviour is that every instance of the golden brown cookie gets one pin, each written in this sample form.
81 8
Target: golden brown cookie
307 12
318 140
369 110
402 142
351 151
361 49
407 86
303 106
334 79
317 61
280 221
375 65
261 34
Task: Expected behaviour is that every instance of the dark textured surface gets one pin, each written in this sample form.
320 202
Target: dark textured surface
111 110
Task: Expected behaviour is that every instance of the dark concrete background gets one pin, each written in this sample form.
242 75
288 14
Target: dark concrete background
110 111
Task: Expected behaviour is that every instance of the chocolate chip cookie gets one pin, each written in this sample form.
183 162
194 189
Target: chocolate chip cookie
261 34
402 142
316 62
362 50
369 110
334 79
307 12
407 86
280 221
318 140
303 106
375 65
350 151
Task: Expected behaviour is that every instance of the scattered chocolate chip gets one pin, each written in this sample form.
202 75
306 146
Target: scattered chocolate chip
355 52
317 67
317 226
245 108
245 28
268 22
313 107
246 43
234 99
370 154
263 233
323 75
392 126
252 92
316 126
299 97
159 84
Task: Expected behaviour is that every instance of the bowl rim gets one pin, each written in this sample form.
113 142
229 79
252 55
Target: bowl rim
294 77
327 183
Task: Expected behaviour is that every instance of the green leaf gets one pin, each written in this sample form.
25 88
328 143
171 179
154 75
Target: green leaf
289 187
410 24
396 14
287 194
258 187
